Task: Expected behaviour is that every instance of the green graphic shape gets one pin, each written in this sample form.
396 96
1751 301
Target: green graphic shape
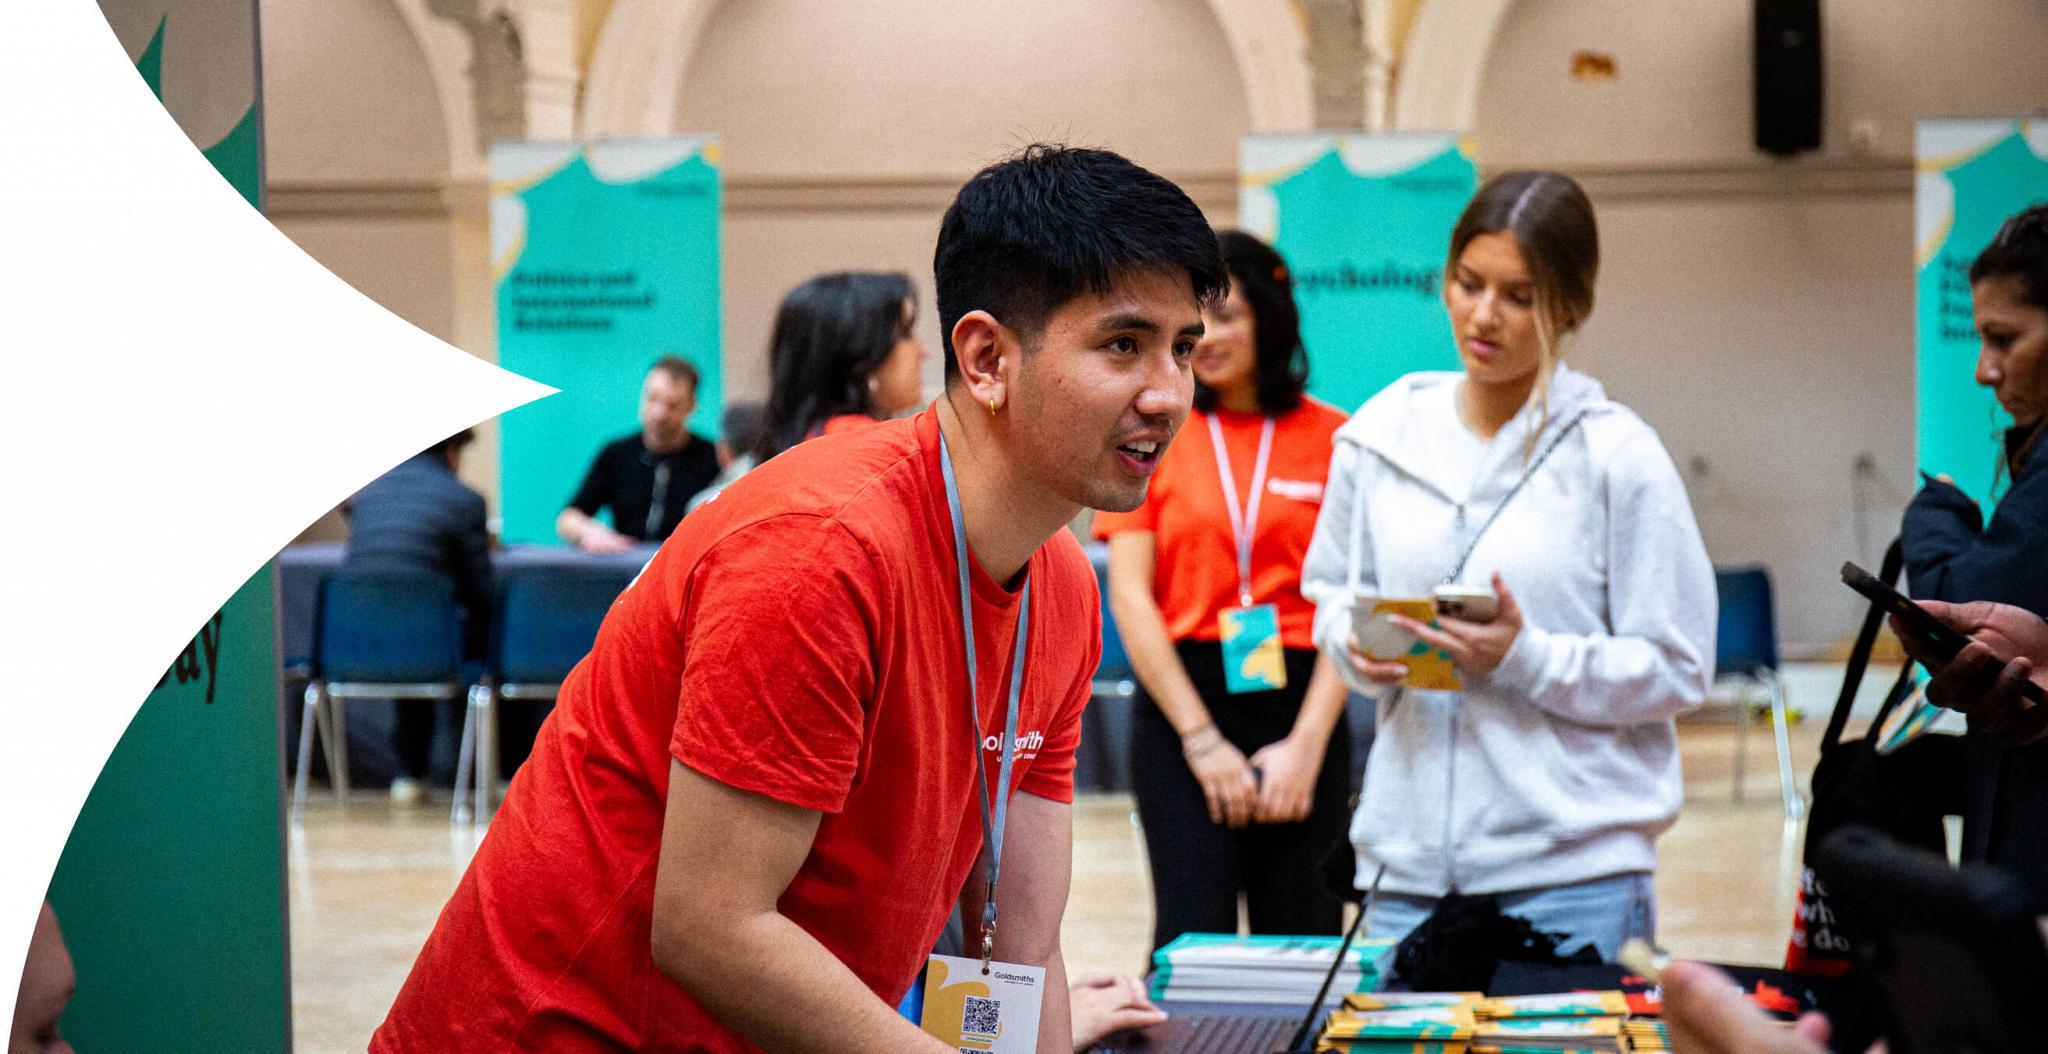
170 889
1367 256
1960 424
649 248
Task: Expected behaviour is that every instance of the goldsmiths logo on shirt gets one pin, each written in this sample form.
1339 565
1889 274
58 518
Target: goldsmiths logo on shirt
1025 748
1304 490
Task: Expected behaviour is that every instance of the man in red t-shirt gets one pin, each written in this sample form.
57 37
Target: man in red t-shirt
754 806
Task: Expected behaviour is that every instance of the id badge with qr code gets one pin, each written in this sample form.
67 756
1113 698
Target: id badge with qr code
1252 659
977 1013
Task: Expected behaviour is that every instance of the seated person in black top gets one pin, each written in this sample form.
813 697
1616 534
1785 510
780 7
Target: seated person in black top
649 478
419 519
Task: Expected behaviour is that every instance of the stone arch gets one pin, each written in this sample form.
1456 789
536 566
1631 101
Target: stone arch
1443 63
646 45
447 50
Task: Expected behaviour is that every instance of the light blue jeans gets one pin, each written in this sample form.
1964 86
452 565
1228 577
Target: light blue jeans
1602 911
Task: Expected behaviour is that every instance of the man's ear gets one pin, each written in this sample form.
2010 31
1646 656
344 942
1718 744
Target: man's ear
983 348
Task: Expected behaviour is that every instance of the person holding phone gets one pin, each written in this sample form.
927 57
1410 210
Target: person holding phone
1239 756
1953 554
1546 777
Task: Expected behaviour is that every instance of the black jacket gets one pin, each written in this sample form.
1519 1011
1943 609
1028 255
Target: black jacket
1953 555
418 518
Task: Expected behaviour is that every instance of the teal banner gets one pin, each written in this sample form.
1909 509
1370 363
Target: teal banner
1972 174
1363 221
606 258
171 888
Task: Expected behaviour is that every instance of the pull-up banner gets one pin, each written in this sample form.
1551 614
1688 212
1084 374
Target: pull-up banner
171 891
1972 174
1364 221
606 259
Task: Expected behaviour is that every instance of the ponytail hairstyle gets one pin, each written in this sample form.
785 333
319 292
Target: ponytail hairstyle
1551 220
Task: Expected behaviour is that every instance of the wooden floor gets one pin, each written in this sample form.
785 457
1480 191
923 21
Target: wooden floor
368 879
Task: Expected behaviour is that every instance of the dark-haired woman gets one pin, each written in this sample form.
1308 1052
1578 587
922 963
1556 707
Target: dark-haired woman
844 353
1952 554
1238 756
1545 778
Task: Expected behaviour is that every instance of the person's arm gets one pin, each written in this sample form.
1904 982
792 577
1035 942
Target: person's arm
1225 776
1657 660
1338 569
1707 1014
589 534
578 524
1949 556
470 560
727 855
1288 768
1038 863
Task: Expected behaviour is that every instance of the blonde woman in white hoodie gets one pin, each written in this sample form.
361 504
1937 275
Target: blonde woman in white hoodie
1547 777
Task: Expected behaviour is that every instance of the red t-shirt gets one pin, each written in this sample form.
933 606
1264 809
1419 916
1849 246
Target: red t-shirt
1195 577
798 638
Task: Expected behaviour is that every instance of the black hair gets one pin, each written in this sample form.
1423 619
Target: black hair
1279 362
452 443
831 334
2019 250
1050 223
740 425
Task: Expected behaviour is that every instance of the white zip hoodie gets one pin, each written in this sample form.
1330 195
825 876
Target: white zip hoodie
1562 764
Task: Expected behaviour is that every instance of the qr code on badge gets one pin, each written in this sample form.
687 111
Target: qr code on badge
981 1017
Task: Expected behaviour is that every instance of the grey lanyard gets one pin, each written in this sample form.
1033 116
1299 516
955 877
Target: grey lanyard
1541 457
991 825
658 503
1243 523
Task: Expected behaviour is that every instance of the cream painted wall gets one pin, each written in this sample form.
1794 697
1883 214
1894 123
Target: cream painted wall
1758 313
347 95
1683 90
908 87
846 127
357 158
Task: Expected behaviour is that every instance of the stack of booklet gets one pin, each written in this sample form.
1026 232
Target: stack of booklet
1280 971
1469 1023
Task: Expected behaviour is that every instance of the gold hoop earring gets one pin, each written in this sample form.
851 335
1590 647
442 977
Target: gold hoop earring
991 404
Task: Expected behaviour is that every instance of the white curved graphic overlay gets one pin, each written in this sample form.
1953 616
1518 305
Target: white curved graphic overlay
185 391
632 160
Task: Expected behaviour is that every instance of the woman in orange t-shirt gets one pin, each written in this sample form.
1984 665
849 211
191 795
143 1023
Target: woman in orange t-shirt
844 354
1239 754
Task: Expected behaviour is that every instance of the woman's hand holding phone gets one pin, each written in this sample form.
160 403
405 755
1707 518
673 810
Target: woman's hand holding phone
1476 647
1972 684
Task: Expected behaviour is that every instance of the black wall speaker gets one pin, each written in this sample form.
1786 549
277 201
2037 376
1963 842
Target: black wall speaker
1787 76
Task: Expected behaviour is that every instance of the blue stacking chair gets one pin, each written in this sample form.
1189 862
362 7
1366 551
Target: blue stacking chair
544 623
1746 652
376 635
1106 735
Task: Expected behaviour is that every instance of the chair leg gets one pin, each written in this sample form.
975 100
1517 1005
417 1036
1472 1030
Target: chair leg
466 758
1795 804
308 720
1744 717
486 753
337 722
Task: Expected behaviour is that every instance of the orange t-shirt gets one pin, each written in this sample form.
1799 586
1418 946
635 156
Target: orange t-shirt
1195 577
798 638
